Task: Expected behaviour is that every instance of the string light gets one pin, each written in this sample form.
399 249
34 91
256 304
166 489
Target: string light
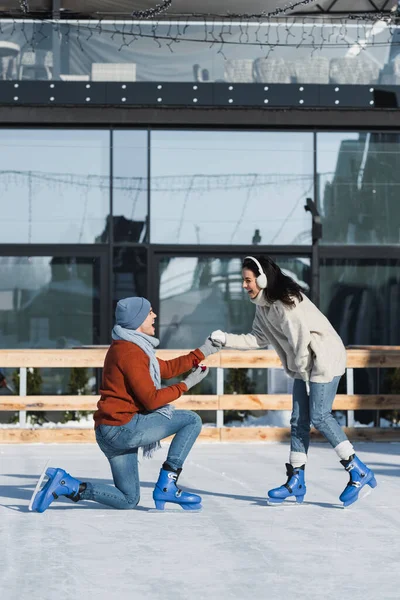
150 13
293 32
268 15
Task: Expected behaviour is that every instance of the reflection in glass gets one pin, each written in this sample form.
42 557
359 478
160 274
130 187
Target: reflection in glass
217 187
359 182
212 51
130 186
54 185
361 299
129 273
48 302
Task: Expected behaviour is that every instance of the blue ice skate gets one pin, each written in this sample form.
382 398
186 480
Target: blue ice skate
59 483
166 490
360 475
295 486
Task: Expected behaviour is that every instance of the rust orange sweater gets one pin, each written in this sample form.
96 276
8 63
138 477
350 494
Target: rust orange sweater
127 386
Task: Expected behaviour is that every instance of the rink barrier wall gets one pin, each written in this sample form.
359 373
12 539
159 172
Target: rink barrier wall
357 357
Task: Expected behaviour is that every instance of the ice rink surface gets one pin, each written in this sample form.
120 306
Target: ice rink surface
236 548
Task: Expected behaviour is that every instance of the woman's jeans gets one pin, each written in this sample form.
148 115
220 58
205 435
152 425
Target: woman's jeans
120 445
317 410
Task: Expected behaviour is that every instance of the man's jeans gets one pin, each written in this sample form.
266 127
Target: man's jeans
120 445
317 410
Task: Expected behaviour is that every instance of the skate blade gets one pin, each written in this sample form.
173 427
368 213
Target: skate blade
37 488
174 510
366 491
285 502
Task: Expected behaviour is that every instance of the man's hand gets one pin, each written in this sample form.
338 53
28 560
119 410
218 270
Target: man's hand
218 338
197 374
209 348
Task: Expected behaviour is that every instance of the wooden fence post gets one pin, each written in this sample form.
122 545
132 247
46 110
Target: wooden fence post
350 391
220 391
22 392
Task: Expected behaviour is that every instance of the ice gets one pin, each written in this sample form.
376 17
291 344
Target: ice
237 547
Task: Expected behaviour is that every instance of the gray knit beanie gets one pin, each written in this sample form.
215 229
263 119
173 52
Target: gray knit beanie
131 312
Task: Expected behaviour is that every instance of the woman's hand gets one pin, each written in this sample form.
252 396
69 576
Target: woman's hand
218 338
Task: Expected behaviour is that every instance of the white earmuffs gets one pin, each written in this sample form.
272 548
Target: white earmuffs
261 280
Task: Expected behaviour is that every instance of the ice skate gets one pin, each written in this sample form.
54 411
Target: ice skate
59 483
166 490
360 475
295 486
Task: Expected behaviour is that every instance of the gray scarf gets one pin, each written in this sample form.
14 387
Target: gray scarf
148 344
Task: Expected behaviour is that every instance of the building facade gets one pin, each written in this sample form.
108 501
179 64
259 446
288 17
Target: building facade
106 195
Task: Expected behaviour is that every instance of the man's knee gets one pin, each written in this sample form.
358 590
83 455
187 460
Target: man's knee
131 502
195 420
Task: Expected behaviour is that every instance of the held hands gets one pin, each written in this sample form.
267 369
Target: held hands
209 347
218 338
197 374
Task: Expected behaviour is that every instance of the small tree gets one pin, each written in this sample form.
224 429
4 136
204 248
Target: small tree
392 386
238 382
77 386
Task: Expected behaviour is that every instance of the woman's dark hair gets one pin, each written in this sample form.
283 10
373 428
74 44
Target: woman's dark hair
279 286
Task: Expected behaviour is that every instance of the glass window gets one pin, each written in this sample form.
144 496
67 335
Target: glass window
337 52
54 185
359 178
49 302
361 299
218 187
130 186
129 273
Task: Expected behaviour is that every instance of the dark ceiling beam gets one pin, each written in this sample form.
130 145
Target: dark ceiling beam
232 118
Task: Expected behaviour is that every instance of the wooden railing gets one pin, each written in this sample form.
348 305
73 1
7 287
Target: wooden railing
357 357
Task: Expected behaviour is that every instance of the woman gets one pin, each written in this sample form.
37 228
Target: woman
134 412
313 354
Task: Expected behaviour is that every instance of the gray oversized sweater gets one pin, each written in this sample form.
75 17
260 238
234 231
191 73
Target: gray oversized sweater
307 344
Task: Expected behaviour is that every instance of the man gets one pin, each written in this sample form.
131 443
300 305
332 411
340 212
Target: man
135 411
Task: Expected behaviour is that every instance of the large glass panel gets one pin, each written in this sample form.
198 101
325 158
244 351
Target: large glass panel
359 183
361 299
130 186
54 185
230 187
49 302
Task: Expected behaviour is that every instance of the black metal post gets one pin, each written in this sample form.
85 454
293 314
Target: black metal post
316 233
56 39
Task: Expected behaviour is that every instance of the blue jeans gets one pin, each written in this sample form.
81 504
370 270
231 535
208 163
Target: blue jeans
317 410
120 445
